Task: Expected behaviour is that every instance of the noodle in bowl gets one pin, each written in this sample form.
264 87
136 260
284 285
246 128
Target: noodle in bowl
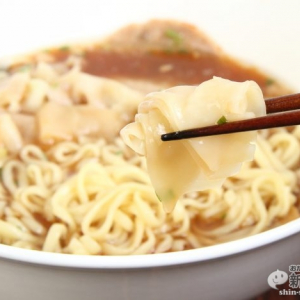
252 247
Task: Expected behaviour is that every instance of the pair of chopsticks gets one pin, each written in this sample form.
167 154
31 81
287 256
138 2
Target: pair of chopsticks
289 105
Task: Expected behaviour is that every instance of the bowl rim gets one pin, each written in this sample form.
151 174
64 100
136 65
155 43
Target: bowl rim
165 259
151 260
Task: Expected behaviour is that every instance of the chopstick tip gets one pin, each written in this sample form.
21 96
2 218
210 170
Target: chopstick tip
164 137
170 136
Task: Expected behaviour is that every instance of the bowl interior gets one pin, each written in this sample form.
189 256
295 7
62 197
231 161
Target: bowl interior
257 32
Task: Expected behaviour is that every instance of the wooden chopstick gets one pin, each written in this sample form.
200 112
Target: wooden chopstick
283 103
289 105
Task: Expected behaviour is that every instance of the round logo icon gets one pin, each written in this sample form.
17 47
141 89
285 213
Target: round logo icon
277 277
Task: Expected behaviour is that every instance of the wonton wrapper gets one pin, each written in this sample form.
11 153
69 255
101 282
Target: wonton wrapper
182 166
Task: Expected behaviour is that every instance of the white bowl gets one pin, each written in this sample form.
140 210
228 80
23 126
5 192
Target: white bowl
265 33
236 270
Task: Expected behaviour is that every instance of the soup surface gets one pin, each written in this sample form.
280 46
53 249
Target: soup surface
70 185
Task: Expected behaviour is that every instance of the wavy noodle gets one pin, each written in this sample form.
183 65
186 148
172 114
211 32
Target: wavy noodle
91 196
109 207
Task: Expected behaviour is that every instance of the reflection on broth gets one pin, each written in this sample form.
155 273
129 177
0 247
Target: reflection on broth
71 185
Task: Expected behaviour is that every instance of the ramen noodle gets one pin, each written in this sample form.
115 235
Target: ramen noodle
69 184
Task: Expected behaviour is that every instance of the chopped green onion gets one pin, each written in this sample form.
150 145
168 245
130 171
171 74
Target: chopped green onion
20 227
158 197
25 68
270 81
183 51
119 152
169 195
55 84
223 216
173 35
222 120
64 48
